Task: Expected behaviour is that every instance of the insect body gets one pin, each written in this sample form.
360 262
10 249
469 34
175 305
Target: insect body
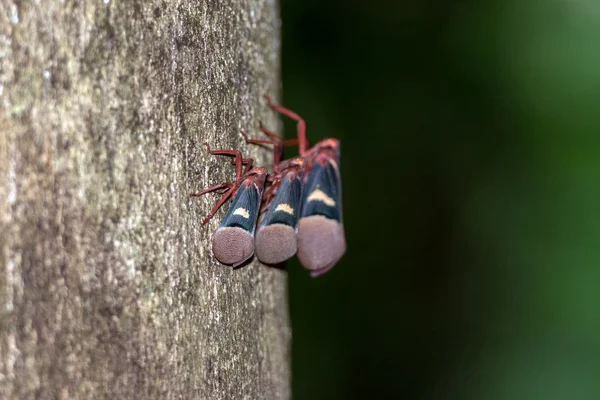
321 238
233 241
276 236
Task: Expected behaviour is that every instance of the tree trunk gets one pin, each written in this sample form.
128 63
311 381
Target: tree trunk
108 285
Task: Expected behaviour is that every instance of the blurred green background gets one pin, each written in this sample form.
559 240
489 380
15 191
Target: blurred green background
471 174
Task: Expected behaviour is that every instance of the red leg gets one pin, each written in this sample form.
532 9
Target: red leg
301 126
292 142
278 150
286 142
236 153
283 143
211 189
256 141
248 162
269 195
230 189
269 133
222 200
222 191
271 191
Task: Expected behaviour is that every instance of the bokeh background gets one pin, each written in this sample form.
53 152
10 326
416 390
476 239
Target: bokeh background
471 174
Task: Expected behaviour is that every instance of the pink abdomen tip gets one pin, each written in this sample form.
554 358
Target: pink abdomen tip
232 245
321 243
275 243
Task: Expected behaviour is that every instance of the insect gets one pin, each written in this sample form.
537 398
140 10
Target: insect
321 238
233 241
276 236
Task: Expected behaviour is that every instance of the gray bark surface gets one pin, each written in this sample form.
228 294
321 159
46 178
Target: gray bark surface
108 285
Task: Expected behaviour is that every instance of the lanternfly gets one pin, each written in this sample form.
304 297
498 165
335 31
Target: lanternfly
303 204
276 236
233 241
321 238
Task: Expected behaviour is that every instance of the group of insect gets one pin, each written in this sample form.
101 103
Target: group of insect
300 200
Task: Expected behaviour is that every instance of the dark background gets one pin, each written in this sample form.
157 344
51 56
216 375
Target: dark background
471 174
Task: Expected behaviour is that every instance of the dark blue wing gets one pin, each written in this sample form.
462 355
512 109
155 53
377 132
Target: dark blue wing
323 193
285 207
244 209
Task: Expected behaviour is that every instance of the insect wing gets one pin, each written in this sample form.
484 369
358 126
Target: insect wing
285 207
321 238
244 209
233 242
323 193
276 237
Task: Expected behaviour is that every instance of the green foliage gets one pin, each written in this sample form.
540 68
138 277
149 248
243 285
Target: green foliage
471 171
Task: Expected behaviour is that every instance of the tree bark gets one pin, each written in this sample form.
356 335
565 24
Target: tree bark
108 285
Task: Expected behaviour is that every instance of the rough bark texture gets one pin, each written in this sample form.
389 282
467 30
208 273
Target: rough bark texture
108 286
